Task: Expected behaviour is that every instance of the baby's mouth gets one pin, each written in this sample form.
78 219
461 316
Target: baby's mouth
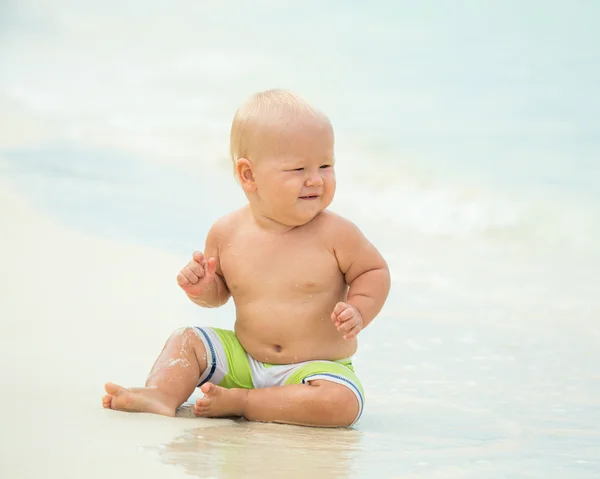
309 197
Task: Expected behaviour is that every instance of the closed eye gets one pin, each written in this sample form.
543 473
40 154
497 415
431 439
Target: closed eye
325 166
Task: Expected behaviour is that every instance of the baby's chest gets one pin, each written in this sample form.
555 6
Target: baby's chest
302 268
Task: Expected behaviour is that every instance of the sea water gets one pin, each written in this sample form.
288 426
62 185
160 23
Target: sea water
468 151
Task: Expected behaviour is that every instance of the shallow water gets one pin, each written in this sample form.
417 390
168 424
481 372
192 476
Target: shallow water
468 150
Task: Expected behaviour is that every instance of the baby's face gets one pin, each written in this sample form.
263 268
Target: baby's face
294 172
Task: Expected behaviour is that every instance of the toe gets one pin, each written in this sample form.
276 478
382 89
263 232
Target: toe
200 409
113 389
207 388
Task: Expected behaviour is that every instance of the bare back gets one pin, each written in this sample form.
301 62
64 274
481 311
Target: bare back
285 286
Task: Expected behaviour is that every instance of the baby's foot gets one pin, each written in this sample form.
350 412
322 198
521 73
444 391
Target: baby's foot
137 400
219 402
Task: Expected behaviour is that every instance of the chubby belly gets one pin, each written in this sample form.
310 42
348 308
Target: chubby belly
291 331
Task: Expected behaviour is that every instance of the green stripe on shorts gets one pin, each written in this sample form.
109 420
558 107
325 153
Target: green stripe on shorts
239 375
337 368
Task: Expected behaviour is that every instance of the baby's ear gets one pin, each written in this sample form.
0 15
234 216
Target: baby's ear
243 168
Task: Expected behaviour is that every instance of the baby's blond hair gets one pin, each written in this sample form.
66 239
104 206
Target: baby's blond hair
263 110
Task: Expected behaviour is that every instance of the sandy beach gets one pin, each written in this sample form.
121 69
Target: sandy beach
77 310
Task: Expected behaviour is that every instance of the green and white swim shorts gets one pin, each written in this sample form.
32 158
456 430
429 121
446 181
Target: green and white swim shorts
230 366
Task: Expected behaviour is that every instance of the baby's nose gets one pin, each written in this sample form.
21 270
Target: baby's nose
314 180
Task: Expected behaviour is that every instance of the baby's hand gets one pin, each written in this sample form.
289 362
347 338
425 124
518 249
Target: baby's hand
347 319
197 275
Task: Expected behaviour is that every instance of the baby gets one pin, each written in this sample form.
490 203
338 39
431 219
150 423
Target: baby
304 281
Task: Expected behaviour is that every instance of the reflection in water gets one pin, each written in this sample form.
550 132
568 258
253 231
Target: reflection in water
234 449
412 437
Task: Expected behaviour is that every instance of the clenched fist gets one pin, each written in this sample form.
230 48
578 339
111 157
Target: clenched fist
198 275
347 320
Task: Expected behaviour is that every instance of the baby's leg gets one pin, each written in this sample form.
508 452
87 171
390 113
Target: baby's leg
319 403
173 378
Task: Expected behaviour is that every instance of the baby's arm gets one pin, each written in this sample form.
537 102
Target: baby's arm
202 278
366 273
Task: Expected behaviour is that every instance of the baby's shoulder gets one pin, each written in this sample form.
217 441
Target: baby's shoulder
335 226
226 225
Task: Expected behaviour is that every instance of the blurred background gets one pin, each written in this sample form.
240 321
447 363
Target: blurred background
468 151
